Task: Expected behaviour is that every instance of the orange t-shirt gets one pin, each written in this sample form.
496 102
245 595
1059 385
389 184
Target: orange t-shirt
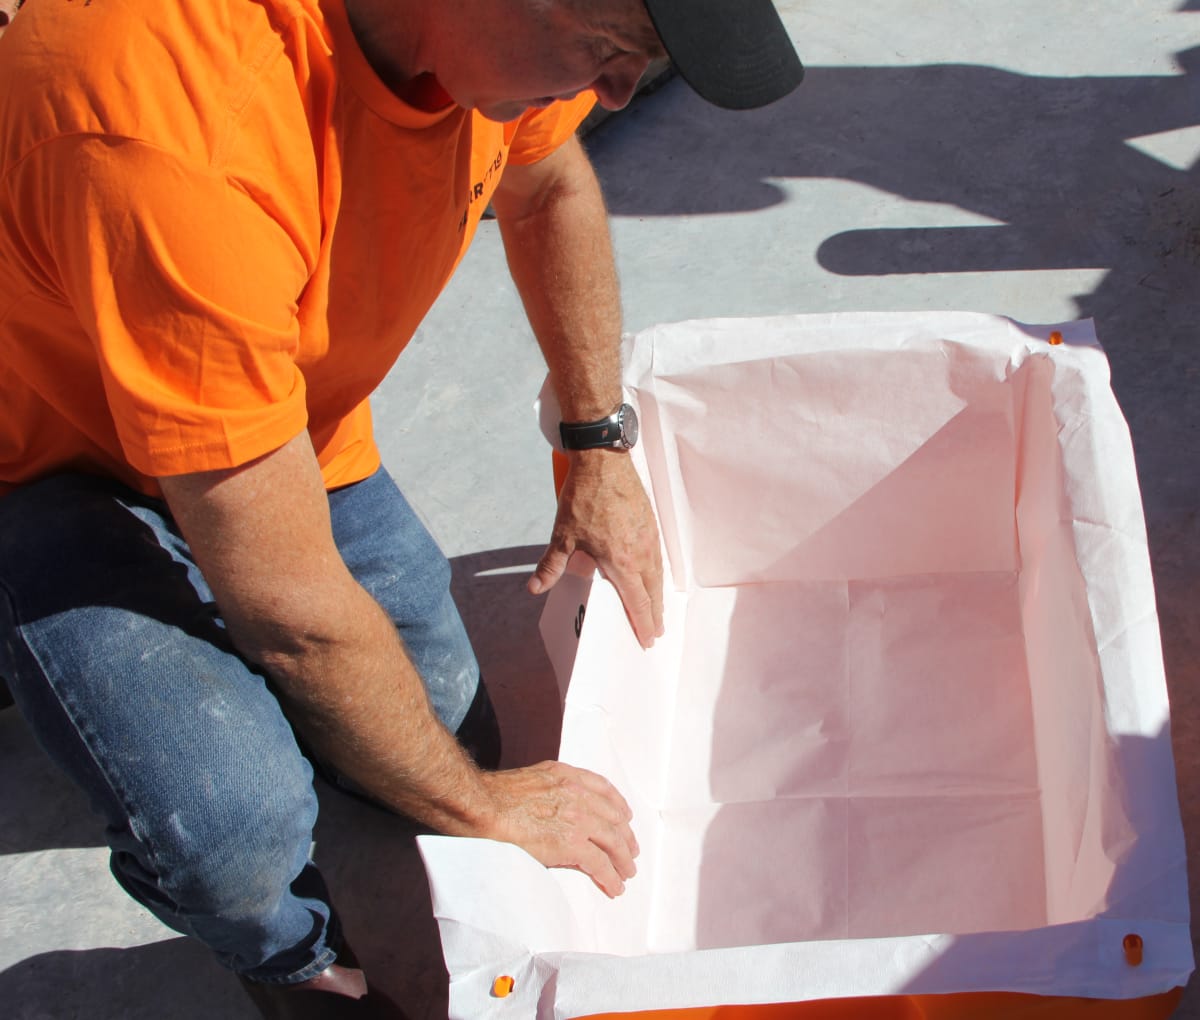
218 228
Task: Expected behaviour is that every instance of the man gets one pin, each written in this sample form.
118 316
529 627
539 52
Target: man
219 225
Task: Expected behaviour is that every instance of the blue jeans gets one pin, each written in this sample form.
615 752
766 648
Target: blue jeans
116 655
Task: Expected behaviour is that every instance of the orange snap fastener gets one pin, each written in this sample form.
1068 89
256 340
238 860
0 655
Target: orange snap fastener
1133 946
503 986
1056 338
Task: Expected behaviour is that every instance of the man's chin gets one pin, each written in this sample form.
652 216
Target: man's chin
504 113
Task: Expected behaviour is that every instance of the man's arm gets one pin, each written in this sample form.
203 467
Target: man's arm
261 535
555 231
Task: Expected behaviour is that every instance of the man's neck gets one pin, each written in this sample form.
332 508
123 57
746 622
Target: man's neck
391 34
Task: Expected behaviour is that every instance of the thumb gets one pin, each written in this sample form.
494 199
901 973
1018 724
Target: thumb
549 569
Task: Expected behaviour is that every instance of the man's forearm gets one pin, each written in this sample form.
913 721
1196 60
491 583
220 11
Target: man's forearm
261 536
361 703
560 256
559 252
356 697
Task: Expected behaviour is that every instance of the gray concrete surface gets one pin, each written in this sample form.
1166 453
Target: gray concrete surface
1036 159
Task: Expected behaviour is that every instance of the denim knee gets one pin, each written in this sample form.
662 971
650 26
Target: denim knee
119 664
391 554
230 867
237 858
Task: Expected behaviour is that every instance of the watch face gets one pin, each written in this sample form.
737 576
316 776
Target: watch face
629 426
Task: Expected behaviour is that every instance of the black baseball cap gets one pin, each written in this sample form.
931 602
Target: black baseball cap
734 53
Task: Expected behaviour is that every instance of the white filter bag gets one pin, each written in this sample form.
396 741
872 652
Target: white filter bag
907 732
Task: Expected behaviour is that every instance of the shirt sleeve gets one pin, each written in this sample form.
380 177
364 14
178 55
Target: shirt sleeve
187 288
540 132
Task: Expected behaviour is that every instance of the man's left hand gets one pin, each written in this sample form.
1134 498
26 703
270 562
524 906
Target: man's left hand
603 511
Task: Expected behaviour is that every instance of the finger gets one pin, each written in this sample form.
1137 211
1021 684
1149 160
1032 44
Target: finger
613 833
615 837
639 607
550 568
611 809
597 865
615 842
605 803
655 587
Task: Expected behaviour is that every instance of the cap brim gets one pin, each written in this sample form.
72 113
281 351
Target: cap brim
734 53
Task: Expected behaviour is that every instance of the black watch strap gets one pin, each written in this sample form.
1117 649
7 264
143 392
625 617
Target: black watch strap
618 431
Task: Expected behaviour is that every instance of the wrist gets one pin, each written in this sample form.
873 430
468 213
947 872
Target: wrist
618 430
598 459
460 806
483 816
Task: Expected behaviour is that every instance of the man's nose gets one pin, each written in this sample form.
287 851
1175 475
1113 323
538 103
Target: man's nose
615 87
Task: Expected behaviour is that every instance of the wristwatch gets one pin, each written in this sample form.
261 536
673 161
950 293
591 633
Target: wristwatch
618 431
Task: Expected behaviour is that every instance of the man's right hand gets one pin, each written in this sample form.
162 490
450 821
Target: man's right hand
262 536
566 817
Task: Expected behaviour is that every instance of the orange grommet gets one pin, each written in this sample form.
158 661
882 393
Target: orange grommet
503 986
1133 946
1056 338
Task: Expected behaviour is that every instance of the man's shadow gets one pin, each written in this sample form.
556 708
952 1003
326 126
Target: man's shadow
1046 158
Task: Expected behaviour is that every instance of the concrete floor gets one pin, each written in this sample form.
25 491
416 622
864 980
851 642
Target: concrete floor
1035 159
